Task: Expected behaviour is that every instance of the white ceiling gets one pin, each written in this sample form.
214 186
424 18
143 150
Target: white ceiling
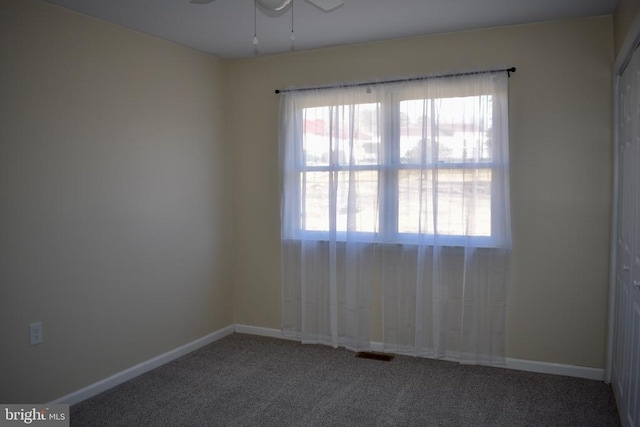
225 27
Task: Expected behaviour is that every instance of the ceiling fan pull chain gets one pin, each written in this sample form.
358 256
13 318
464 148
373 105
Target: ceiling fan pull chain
255 23
293 37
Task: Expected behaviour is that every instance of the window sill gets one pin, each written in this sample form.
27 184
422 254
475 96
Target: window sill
400 239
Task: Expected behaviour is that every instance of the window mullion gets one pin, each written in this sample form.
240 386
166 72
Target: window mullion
389 165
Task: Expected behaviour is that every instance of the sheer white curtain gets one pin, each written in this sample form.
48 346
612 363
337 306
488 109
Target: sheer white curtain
398 193
330 169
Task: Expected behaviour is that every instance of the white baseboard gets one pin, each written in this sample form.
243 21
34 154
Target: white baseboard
555 369
516 364
264 332
141 368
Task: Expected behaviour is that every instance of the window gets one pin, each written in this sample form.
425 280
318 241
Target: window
400 189
397 163
341 147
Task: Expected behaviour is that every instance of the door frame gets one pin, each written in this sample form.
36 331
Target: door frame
631 42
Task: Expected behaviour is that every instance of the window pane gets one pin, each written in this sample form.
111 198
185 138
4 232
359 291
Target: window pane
366 135
332 134
460 128
415 206
356 201
461 198
415 132
315 201
315 136
357 207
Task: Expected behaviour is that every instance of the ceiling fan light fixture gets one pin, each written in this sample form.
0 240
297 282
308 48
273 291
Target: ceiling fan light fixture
274 4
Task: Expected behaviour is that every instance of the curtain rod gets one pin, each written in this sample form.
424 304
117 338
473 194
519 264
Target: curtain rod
410 79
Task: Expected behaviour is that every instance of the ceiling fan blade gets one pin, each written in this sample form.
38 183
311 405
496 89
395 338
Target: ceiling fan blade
201 1
276 5
326 5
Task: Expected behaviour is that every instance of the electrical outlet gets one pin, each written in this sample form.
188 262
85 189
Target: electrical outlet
35 333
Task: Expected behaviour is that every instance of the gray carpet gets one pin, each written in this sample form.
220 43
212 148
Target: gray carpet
244 380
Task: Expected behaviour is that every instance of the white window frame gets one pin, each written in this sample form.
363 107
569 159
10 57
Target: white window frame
388 169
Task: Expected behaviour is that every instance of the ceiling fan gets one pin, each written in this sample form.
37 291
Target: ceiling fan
276 5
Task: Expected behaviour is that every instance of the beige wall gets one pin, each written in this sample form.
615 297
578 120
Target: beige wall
115 217
626 12
560 112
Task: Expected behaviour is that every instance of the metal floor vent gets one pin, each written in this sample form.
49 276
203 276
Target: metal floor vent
375 356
